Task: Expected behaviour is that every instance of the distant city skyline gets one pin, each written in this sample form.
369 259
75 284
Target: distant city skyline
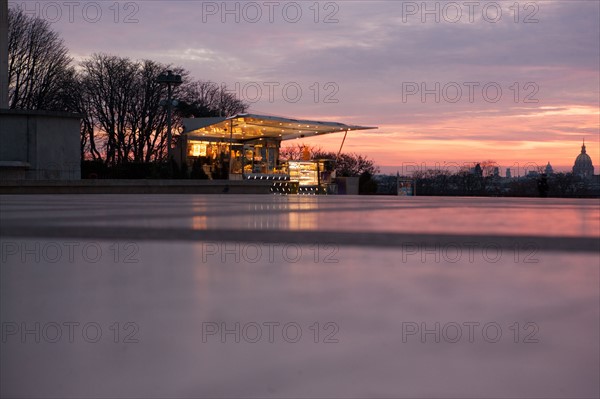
517 169
516 85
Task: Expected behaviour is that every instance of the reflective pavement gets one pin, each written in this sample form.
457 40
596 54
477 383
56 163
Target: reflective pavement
268 296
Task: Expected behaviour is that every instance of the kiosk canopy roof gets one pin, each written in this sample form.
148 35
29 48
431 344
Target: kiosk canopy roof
252 126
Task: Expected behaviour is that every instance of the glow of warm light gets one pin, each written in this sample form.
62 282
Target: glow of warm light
198 150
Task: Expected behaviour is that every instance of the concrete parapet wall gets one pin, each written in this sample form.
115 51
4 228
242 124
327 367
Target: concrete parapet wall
135 187
347 185
39 145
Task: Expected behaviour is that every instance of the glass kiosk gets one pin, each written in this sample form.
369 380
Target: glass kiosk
313 177
246 146
259 160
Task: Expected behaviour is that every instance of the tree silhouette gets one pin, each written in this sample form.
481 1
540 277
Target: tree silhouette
39 67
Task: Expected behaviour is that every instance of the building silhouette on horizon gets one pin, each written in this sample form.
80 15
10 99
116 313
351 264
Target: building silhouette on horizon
583 166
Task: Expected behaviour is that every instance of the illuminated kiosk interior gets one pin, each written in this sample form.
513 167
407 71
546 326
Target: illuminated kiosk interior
246 146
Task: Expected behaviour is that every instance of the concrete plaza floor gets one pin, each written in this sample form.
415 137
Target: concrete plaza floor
272 296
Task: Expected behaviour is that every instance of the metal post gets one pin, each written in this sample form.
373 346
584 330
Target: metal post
170 80
169 121
341 146
230 147
3 53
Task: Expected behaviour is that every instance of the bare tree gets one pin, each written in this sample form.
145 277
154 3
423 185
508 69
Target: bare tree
123 118
39 67
147 118
108 84
76 100
205 99
347 164
291 152
124 105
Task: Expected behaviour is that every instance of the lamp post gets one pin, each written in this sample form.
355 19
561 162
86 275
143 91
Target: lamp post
3 53
170 80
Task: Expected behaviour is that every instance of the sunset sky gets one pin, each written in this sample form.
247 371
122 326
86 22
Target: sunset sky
517 87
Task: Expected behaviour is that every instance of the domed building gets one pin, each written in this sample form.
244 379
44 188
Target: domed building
583 164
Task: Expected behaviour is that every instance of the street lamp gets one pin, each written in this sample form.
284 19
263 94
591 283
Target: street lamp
3 54
170 80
